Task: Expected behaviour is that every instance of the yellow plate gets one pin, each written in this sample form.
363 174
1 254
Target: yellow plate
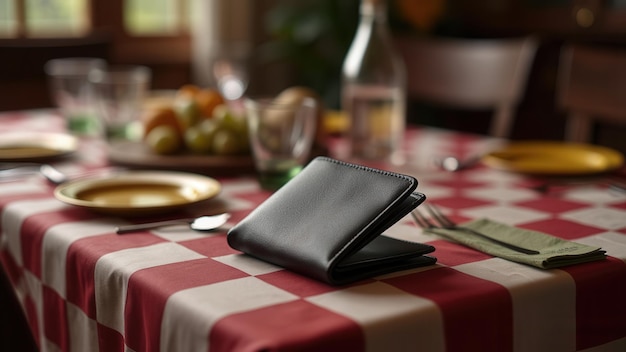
138 192
33 146
554 158
336 122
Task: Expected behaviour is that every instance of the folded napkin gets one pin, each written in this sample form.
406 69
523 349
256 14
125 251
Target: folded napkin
553 252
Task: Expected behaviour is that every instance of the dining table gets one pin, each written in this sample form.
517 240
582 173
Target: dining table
82 287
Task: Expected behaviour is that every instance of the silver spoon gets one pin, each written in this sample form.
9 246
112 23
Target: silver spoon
56 177
202 223
53 175
48 171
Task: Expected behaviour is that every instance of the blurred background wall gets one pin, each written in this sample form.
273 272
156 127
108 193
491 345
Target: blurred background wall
284 42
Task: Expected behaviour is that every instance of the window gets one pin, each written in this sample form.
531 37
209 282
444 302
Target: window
156 17
157 33
49 18
73 18
8 23
43 18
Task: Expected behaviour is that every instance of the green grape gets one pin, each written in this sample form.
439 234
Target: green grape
163 140
199 140
225 142
220 111
227 121
187 112
208 126
236 125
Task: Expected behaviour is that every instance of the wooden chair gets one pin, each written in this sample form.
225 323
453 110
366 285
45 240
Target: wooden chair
591 88
472 74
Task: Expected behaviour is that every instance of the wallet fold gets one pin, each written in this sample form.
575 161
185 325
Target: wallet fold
328 223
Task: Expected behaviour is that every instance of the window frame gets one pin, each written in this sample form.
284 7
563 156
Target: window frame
107 18
129 48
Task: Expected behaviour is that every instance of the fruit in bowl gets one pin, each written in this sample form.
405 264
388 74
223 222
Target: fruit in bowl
198 121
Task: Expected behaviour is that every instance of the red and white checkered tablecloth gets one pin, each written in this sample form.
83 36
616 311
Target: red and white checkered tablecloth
84 288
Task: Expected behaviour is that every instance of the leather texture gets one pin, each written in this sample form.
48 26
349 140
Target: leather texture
328 221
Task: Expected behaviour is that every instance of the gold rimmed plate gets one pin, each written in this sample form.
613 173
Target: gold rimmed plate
554 158
138 192
36 146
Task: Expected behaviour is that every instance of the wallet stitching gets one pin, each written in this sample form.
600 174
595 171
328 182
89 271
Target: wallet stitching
369 169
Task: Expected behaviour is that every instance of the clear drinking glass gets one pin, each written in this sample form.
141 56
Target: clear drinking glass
70 90
118 94
281 137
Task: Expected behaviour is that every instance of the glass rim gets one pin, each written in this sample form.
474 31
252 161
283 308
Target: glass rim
73 66
114 74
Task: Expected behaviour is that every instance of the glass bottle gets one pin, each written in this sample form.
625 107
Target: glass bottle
374 87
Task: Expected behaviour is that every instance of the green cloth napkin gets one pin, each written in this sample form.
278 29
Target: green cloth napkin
553 252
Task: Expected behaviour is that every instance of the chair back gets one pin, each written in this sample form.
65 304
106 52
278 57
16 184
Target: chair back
489 74
591 88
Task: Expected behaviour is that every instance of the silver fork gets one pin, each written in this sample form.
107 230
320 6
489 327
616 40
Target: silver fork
443 222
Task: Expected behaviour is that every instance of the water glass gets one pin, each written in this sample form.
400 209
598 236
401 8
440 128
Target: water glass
70 90
119 93
281 137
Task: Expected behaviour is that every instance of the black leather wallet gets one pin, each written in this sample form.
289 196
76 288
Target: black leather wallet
327 223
